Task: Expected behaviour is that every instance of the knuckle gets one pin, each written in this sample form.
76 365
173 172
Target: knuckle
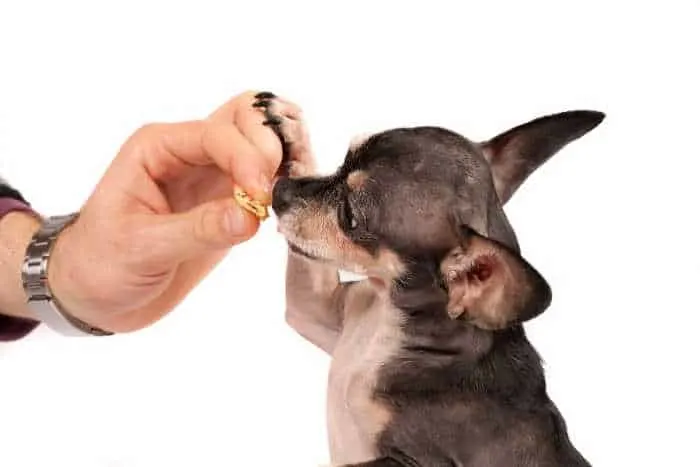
148 128
206 129
208 229
149 131
244 99
249 95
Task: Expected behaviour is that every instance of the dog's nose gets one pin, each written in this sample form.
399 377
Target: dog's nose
282 195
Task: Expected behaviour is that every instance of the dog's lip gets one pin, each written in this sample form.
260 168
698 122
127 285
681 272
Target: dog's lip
295 249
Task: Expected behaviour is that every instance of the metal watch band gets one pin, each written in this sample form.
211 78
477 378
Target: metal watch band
35 281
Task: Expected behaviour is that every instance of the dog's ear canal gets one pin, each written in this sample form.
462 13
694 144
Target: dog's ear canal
516 153
491 286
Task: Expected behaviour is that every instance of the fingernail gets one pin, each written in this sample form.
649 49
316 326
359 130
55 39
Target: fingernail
265 185
234 222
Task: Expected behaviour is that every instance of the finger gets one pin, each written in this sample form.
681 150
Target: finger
213 226
227 112
171 148
250 122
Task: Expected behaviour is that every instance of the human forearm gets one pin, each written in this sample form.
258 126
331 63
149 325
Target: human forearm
16 230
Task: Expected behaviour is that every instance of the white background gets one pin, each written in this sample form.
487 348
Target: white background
611 221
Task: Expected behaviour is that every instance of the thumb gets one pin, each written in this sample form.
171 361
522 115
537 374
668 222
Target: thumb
215 225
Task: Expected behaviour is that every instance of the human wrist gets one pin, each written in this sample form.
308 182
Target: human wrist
62 275
40 285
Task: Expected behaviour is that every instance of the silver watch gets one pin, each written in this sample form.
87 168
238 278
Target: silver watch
35 281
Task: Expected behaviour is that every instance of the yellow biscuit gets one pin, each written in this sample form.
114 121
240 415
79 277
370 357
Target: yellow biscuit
249 204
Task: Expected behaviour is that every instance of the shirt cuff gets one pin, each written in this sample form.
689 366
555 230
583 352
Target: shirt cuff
13 328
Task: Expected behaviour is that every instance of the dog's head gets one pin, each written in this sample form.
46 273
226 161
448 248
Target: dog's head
411 200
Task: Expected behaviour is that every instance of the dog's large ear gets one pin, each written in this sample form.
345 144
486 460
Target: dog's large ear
516 153
490 286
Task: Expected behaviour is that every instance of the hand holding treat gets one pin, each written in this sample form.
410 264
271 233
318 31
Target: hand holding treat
285 120
162 216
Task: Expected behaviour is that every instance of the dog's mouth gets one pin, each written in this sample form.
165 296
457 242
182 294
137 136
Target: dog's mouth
297 250
294 247
343 275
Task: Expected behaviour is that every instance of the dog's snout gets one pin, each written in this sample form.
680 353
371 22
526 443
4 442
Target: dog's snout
282 195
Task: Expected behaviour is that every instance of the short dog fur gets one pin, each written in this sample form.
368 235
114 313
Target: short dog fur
430 363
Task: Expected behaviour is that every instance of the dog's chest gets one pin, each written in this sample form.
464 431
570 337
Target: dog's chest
371 336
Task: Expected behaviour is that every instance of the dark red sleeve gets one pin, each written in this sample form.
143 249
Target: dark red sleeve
12 328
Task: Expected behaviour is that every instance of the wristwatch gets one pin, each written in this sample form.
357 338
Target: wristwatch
35 281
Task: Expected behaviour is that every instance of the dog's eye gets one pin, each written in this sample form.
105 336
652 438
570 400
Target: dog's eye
346 216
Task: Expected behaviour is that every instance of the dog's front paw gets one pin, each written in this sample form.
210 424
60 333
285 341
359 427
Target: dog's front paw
285 119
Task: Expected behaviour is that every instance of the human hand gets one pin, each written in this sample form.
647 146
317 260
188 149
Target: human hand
163 215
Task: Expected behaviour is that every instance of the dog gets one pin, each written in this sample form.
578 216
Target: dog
431 365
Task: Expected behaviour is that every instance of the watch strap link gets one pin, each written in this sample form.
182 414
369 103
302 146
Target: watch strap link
35 281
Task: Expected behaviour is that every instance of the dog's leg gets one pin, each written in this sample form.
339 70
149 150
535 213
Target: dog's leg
286 120
314 301
313 292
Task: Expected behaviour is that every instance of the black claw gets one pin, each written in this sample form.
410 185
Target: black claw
273 120
262 103
285 166
265 95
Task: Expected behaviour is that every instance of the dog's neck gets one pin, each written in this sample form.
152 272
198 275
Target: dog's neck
419 289
460 346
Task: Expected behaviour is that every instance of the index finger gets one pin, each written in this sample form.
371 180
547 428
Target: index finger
249 120
201 143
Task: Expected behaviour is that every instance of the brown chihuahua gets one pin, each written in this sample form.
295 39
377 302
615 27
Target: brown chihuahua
431 366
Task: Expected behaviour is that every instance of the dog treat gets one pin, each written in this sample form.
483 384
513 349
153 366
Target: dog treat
249 204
